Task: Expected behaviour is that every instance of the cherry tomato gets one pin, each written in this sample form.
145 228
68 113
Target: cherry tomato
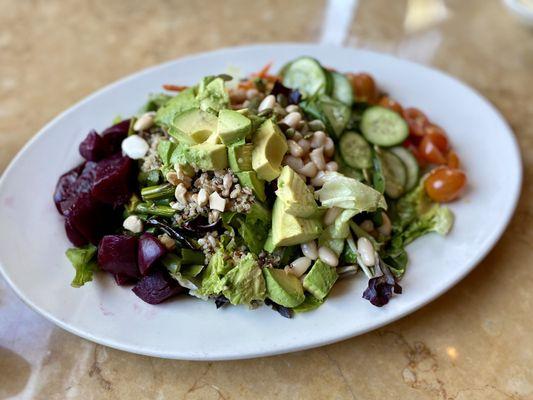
445 184
453 160
437 135
387 102
416 120
363 87
409 144
430 152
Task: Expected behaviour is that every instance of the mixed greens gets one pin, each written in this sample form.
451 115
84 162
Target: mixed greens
265 189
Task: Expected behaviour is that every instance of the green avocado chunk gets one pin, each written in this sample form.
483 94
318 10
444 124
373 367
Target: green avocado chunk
293 191
232 126
240 157
288 230
183 101
204 156
250 180
212 94
270 146
193 126
320 279
283 288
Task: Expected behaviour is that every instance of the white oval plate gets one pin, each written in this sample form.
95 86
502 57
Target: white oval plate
33 243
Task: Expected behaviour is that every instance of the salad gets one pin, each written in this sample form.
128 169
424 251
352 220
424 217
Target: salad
265 189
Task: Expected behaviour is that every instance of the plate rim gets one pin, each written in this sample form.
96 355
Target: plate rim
198 356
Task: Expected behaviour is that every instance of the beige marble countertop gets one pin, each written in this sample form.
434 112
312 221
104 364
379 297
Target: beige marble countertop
474 342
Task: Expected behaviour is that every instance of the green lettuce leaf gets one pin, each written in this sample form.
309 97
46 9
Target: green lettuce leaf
82 259
309 304
255 227
212 94
210 281
155 102
348 193
244 283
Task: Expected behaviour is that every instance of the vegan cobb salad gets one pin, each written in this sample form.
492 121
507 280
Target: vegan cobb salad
266 189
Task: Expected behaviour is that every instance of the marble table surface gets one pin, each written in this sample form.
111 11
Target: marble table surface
474 342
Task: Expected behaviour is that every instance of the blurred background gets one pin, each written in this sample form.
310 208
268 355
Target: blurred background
474 342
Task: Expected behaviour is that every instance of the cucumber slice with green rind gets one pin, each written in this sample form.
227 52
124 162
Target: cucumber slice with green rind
411 166
307 75
383 127
342 89
337 115
395 174
355 150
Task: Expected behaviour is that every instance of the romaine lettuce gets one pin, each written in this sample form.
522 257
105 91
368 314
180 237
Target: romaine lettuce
82 259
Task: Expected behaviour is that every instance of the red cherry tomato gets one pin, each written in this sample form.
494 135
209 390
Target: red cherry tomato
453 160
445 184
437 136
416 120
393 105
363 87
430 152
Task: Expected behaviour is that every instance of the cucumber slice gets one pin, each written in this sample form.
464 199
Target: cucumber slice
346 170
355 150
337 115
383 127
342 89
395 174
411 166
307 75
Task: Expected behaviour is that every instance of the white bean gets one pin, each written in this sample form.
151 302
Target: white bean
295 149
292 119
367 225
133 224
318 140
294 162
304 144
386 227
297 136
332 166
366 250
310 250
328 256
319 179
292 108
135 147
299 266
329 147
144 122
331 215
317 156
268 102
309 170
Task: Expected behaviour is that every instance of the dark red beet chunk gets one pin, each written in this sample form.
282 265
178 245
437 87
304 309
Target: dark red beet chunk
157 287
123 280
150 250
75 237
93 147
113 136
65 186
113 180
118 254
88 218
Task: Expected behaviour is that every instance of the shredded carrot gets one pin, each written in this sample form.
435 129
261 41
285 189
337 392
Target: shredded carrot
174 88
246 85
263 72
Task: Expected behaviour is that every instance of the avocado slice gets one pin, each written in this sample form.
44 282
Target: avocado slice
320 279
250 180
183 101
240 157
269 148
193 126
233 126
293 191
288 230
205 156
283 288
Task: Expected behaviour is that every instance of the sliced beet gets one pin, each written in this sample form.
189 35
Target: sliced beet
118 254
150 250
65 186
123 280
113 180
157 287
75 237
113 136
93 147
88 218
